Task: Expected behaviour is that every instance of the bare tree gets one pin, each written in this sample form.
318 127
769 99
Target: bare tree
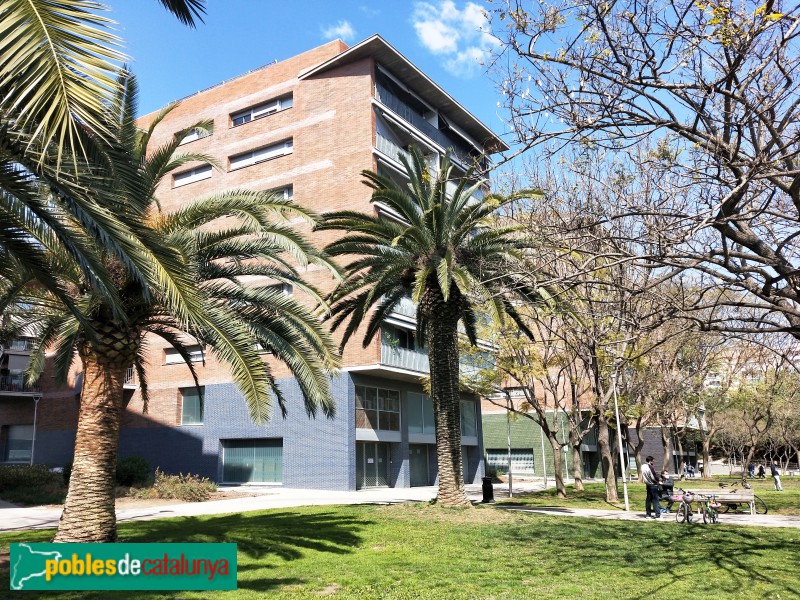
703 96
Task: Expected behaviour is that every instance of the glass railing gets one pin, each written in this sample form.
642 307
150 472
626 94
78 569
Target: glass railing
389 148
16 383
402 358
25 344
392 102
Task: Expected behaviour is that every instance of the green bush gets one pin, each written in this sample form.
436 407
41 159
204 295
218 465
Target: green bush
132 470
24 484
189 488
25 476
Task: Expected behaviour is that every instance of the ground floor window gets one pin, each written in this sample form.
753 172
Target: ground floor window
252 461
19 443
521 459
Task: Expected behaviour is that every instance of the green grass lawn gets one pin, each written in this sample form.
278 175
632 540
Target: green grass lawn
778 503
419 551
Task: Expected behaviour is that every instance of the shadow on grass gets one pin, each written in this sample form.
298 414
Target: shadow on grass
261 538
717 560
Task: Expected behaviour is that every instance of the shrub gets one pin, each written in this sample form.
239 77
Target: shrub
24 484
26 476
132 470
189 488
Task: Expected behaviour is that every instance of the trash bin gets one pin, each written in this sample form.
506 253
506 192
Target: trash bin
488 490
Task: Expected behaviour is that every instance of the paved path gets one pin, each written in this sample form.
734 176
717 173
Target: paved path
20 519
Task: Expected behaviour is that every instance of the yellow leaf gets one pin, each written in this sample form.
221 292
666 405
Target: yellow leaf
774 16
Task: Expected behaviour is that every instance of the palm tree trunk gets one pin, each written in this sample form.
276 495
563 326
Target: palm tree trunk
442 336
89 514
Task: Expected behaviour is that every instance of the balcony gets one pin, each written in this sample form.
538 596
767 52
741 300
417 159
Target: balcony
130 379
403 358
15 384
389 148
459 151
21 345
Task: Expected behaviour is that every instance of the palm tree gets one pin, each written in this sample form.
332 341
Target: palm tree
59 63
213 243
442 254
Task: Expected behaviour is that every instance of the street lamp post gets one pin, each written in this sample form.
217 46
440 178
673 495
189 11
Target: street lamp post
619 439
36 397
508 435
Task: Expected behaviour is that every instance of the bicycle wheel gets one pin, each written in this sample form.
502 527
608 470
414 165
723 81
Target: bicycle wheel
761 506
680 514
707 518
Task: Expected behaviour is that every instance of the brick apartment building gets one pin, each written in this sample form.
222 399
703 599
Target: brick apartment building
305 127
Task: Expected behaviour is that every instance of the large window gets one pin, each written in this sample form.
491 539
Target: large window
521 459
192 175
262 110
19 442
397 337
256 156
171 356
377 408
192 405
420 414
469 425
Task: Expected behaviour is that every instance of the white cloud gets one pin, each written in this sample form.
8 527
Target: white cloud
343 30
461 36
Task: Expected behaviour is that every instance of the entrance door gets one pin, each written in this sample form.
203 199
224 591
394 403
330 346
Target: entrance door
372 464
465 464
250 461
419 464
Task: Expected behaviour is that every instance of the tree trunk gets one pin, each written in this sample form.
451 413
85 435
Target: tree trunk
89 514
442 338
606 457
577 459
665 466
707 457
558 466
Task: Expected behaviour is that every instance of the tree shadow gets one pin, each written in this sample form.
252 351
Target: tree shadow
695 553
285 535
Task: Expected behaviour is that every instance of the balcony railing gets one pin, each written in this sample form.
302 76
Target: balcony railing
16 383
389 148
130 377
24 344
402 358
396 105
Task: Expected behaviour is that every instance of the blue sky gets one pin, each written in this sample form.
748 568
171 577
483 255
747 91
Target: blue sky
442 37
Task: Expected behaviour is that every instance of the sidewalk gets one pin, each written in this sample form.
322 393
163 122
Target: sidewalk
20 519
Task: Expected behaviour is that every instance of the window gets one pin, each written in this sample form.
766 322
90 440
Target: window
521 459
420 414
256 156
19 443
397 337
197 133
172 357
192 405
192 175
262 110
468 425
377 408
287 193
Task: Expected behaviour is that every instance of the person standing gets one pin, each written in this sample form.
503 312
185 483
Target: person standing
776 476
652 506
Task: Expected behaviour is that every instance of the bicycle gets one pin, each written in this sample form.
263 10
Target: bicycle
710 509
760 505
684 512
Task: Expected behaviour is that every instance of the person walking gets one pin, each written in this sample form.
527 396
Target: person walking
776 476
652 506
761 474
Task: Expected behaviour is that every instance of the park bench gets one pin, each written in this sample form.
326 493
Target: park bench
733 496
